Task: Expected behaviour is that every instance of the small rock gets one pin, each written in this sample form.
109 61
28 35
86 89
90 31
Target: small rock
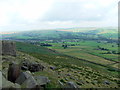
71 84
42 80
24 68
72 78
53 68
106 82
68 74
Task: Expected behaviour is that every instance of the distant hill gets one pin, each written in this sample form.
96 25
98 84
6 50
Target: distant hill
74 33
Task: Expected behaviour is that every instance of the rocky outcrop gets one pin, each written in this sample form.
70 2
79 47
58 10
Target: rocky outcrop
24 80
13 72
5 84
32 66
30 83
23 76
8 84
17 72
27 80
8 48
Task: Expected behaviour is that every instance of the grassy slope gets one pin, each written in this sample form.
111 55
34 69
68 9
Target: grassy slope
67 64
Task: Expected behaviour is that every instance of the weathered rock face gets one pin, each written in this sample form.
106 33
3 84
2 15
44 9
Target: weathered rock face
7 85
30 83
8 48
13 72
23 76
27 80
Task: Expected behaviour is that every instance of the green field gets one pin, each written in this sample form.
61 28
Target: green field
91 74
88 50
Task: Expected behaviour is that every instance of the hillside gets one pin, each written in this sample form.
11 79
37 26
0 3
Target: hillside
67 68
21 57
28 66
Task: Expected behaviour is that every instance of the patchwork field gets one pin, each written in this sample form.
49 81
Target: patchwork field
89 50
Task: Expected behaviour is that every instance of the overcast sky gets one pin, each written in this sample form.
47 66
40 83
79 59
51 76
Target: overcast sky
16 15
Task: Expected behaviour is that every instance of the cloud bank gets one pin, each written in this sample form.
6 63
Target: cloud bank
50 14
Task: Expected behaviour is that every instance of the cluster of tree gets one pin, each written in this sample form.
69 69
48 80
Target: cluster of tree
65 46
102 48
73 45
109 52
45 44
112 52
35 43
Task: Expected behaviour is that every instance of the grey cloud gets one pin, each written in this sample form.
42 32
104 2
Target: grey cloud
74 12
62 14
